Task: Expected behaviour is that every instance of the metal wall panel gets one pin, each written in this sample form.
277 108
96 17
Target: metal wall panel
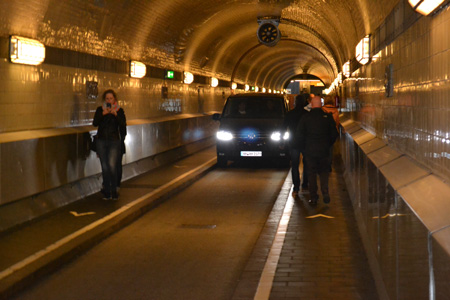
441 263
412 252
60 160
362 137
399 207
402 171
372 145
383 156
24 164
429 197
133 144
150 139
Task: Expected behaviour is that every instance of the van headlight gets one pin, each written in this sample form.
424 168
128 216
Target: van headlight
224 135
276 136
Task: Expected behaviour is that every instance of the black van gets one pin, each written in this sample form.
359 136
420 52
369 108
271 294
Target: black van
251 126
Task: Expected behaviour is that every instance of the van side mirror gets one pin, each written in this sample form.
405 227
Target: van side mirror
216 117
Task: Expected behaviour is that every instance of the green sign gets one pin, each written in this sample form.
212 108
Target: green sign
253 88
169 74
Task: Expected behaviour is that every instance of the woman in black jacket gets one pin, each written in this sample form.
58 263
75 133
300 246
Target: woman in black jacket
111 122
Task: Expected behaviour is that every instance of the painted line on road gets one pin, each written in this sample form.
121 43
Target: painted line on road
268 274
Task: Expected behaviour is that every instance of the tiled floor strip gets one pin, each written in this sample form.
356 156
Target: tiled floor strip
268 274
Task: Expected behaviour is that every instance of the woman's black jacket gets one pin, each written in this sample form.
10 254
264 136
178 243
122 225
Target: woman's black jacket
110 127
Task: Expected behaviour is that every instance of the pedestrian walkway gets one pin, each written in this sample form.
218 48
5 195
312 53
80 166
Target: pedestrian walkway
319 253
37 248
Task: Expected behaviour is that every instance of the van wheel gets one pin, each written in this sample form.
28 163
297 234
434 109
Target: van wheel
222 161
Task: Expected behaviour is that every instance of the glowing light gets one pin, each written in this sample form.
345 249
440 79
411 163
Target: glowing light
363 50
346 69
256 89
137 69
247 88
188 77
425 7
263 90
276 136
26 51
214 82
233 85
224 135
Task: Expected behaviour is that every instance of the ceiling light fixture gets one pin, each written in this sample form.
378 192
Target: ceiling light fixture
425 7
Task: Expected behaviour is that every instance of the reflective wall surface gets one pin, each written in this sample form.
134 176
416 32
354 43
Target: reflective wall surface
403 212
416 119
45 169
47 96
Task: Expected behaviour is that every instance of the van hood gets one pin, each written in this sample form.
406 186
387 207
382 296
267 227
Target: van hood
260 125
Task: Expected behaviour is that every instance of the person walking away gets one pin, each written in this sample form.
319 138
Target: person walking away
110 120
330 108
317 134
291 123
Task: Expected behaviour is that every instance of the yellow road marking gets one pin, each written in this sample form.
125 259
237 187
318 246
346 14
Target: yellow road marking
319 216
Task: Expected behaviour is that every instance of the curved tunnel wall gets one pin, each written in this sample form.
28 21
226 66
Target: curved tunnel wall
396 152
399 208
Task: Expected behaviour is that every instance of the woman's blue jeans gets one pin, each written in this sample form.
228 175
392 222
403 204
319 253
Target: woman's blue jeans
109 151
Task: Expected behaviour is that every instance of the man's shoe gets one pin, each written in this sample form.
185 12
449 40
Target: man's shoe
326 199
295 194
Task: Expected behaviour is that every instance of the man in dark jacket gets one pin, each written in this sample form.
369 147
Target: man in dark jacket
291 123
317 134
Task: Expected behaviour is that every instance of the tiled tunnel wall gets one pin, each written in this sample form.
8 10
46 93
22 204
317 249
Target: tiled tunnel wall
402 216
415 120
43 156
397 157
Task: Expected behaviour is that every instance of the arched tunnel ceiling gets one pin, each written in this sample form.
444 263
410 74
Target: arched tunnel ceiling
212 38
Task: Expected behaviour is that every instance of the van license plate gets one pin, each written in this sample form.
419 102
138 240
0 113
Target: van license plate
251 153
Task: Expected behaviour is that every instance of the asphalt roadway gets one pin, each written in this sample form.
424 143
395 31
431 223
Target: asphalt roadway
194 245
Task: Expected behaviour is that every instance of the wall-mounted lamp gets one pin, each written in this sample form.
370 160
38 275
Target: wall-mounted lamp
256 89
363 50
137 69
188 77
425 7
233 85
26 51
214 82
270 91
376 56
247 88
263 90
346 69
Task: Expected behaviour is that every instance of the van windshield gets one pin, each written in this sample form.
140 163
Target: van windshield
254 107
